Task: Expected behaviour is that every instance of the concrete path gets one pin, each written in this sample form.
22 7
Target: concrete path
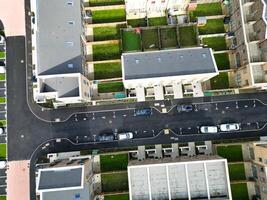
106 24
103 42
104 61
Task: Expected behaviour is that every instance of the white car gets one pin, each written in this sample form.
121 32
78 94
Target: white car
208 129
2 164
125 136
229 127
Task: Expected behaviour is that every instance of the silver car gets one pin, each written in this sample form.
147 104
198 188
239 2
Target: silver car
208 129
229 127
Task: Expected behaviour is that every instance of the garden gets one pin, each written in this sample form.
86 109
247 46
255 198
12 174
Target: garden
233 153
206 9
137 22
110 87
237 171
220 81
131 40
114 182
188 36
107 32
107 16
105 2
107 70
2 151
168 37
222 61
216 43
157 21
150 39
106 51
2 54
116 197
114 162
212 26
239 191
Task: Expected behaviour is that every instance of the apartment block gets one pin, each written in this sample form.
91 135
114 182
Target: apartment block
201 177
258 153
158 73
249 23
66 179
58 52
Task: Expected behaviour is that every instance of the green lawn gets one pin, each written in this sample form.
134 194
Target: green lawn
188 36
157 21
114 182
116 197
220 81
113 162
2 123
168 37
2 151
206 9
110 87
2 99
107 70
106 16
105 2
2 77
239 191
2 197
150 39
222 61
213 26
216 43
2 54
106 33
237 171
131 41
106 52
137 22
233 153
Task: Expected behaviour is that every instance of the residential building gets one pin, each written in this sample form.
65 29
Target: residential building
199 177
158 73
258 152
248 23
58 52
66 179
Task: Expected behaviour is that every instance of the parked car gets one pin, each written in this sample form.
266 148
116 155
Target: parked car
2 39
143 112
2 164
105 137
208 129
229 127
184 108
2 69
125 136
2 131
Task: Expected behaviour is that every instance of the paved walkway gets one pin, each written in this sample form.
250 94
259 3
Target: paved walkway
106 24
18 182
13 17
103 42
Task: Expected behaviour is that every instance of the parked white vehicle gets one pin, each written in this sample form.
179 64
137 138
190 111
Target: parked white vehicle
208 129
2 164
2 39
229 127
2 70
125 136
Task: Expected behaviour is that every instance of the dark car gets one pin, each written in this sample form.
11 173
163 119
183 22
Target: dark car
105 137
184 108
143 112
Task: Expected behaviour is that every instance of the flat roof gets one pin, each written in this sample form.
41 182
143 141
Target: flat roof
174 62
180 180
59 29
65 86
60 178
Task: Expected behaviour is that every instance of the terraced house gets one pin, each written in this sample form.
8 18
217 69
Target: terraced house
58 47
249 23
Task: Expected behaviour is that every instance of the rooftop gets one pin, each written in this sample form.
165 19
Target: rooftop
163 63
53 179
65 86
180 180
59 29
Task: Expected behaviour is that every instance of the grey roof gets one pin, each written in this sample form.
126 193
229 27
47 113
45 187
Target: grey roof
64 86
173 62
59 32
79 194
60 178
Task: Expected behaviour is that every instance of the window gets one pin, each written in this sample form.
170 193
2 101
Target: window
70 65
70 44
71 22
70 3
260 159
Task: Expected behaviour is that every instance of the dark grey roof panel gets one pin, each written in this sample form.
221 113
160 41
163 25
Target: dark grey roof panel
64 178
59 29
173 62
